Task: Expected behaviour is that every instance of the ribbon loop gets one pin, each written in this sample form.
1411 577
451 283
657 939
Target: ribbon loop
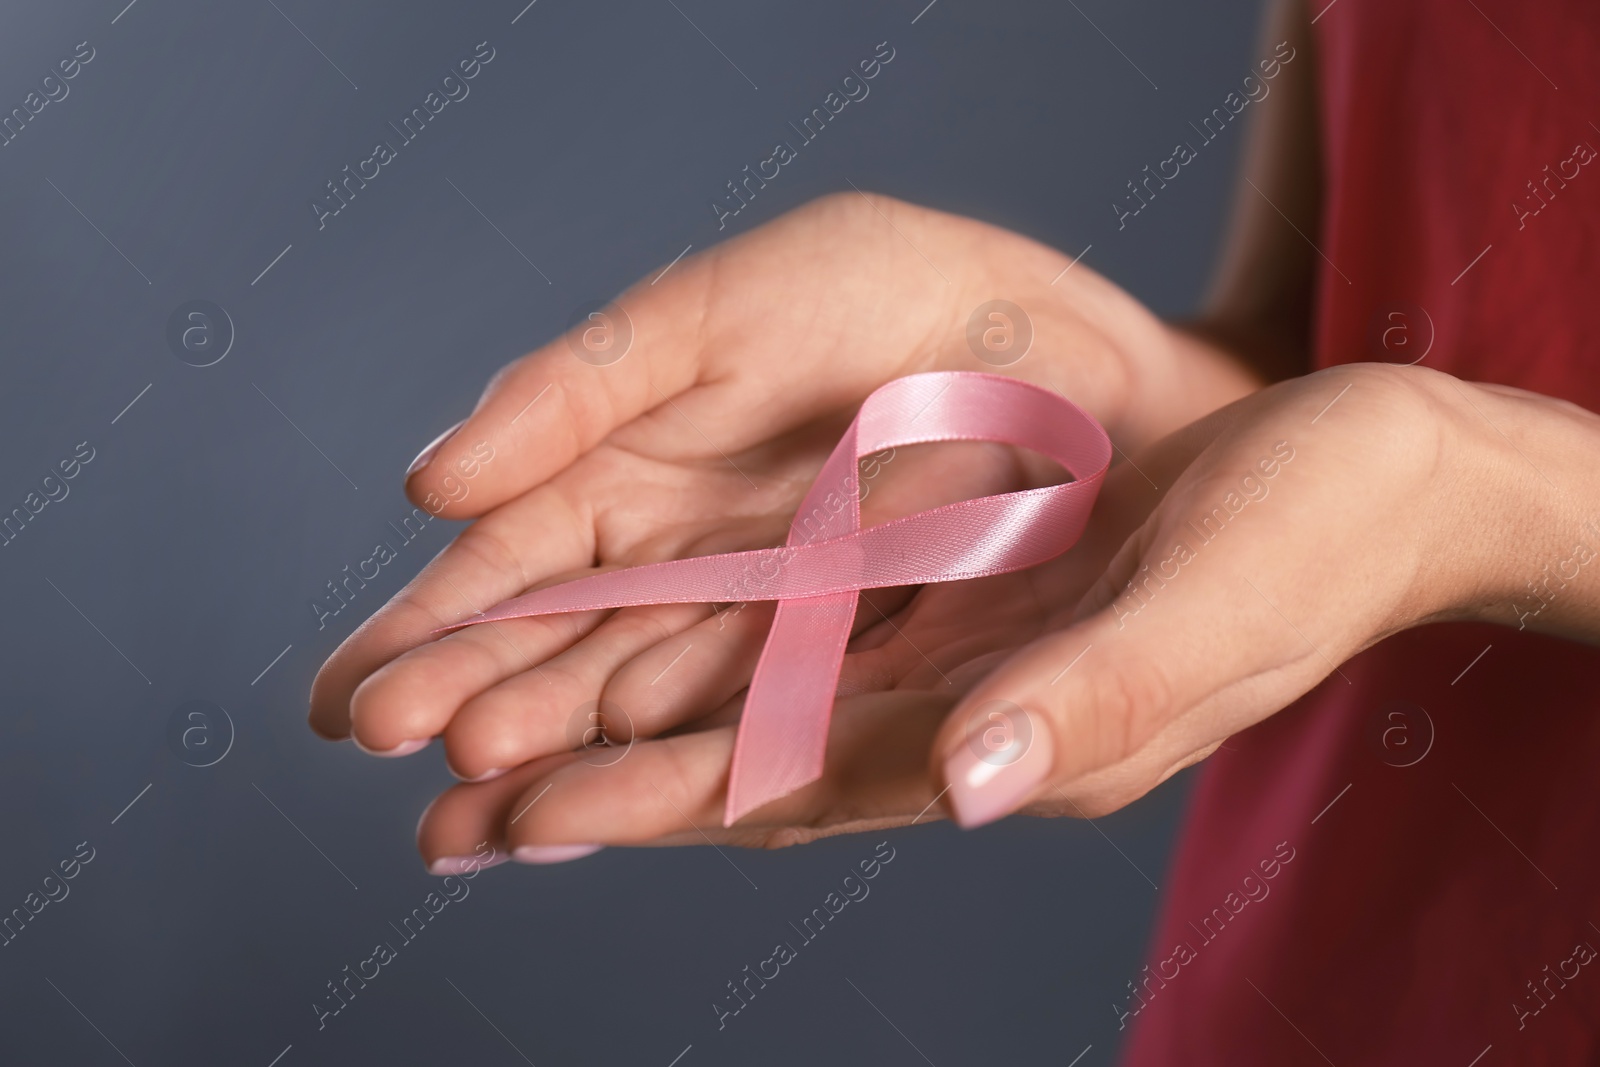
828 559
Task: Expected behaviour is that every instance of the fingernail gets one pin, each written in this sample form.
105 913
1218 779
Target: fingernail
552 853
487 776
998 766
404 748
462 864
433 446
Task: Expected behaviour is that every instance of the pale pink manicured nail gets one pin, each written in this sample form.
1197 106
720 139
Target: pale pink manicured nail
462 864
433 446
487 776
999 765
553 853
404 748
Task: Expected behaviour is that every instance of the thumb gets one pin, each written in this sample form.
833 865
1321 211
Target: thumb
1090 718
542 412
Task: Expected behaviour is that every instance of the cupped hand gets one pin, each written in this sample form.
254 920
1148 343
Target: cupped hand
744 365
1290 530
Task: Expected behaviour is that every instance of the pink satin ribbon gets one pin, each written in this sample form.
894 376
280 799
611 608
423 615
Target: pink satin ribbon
829 559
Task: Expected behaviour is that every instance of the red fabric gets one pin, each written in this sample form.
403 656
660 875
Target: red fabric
1418 907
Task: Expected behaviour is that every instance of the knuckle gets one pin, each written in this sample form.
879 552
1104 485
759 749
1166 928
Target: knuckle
853 208
481 541
1412 401
1128 705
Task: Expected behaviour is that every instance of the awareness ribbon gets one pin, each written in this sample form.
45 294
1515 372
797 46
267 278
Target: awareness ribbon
828 559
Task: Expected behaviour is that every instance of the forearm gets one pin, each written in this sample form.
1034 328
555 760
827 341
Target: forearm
1530 517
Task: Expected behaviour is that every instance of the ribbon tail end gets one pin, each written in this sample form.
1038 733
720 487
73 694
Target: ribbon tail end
745 796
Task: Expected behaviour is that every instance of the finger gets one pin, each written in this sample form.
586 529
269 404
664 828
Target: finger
553 707
507 690
465 826
693 673
688 675
1193 635
411 699
483 566
543 411
711 369
671 791
1086 717
641 673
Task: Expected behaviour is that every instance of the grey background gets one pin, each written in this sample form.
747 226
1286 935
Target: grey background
190 546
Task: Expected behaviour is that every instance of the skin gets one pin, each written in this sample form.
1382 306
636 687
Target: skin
1414 498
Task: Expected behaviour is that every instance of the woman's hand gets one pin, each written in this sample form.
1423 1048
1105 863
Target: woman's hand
1293 529
746 363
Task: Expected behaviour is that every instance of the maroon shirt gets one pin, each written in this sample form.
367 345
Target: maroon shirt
1406 869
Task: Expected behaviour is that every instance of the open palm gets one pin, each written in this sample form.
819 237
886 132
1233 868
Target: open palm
745 365
673 708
